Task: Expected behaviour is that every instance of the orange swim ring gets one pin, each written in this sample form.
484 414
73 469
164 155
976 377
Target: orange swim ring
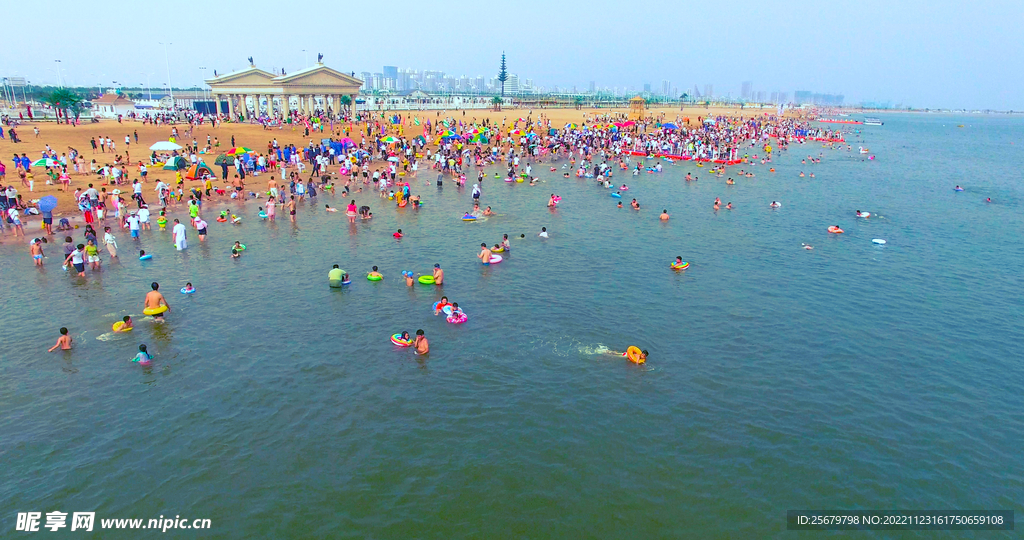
835 230
634 354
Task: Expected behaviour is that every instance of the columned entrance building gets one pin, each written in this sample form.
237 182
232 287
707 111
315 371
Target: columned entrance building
308 90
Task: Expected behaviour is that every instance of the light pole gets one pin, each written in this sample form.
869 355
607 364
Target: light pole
148 87
58 74
305 58
203 86
167 61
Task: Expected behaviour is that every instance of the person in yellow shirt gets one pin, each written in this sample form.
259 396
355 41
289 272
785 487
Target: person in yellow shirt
208 185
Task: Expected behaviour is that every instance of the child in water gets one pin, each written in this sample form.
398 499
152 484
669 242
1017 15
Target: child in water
441 305
128 325
408 278
143 357
189 288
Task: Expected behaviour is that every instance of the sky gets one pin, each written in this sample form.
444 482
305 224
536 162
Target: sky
938 54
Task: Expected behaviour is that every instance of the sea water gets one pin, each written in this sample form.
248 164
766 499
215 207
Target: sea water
850 376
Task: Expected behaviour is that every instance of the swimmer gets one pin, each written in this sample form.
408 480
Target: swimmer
801 174
408 278
375 273
189 288
488 212
154 300
728 206
329 209
438 274
543 232
505 243
143 357
808 247
63 342
663 216
127 324
643 355
551 201
776 204
397 234
619 205
421 344
635 205
730 182
440 305
235 254
988 199
485 254
237 246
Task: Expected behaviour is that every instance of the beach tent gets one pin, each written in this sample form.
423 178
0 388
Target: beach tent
197 171
224 160
176 163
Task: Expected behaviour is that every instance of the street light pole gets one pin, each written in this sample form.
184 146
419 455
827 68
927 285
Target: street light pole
59 85
305 58
167 61
203 85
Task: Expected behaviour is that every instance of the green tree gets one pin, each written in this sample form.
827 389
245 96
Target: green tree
578 101
502 74
497 101
63 100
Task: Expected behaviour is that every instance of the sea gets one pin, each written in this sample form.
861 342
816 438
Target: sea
851 376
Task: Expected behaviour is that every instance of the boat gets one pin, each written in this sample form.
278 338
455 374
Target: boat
872 122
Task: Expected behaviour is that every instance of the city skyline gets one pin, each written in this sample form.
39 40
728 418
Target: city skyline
942 57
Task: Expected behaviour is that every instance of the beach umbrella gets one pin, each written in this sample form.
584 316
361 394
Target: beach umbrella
389 139
346 142
46 162
552 131
223 160
516 132
447 133
47 203
571 126
669 125
164 146
239 150
393 158
419 139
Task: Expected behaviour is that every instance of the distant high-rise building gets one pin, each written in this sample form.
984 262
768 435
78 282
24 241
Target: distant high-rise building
367 78
783 97
511 85
760 96
593 87
647 87
746 89
709 90
391 75
666 88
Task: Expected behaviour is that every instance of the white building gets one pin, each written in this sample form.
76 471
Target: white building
111 105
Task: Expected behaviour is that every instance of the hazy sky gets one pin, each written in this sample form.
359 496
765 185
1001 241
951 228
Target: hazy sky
924 54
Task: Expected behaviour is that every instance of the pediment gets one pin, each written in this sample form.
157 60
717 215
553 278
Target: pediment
318 76
248 76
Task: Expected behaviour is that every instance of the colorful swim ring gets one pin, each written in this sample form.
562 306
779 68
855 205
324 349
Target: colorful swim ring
146 257
374 276
683 266
154 311
118 326
519 180
616 195
456 318
495 259
185 291
397 340
835 230
634 354
427 280
509 180
468 217
262 215
499 250
864 214
241 247
221 220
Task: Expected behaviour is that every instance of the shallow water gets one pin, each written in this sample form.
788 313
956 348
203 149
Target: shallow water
850 376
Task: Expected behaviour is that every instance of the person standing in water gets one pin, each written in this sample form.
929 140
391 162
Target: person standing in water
64 341
485 254
154 300
438 274
178 234
421 343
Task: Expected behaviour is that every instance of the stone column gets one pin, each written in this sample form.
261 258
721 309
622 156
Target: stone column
312 104
231 106
353 105
285 106
270 104
300 106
